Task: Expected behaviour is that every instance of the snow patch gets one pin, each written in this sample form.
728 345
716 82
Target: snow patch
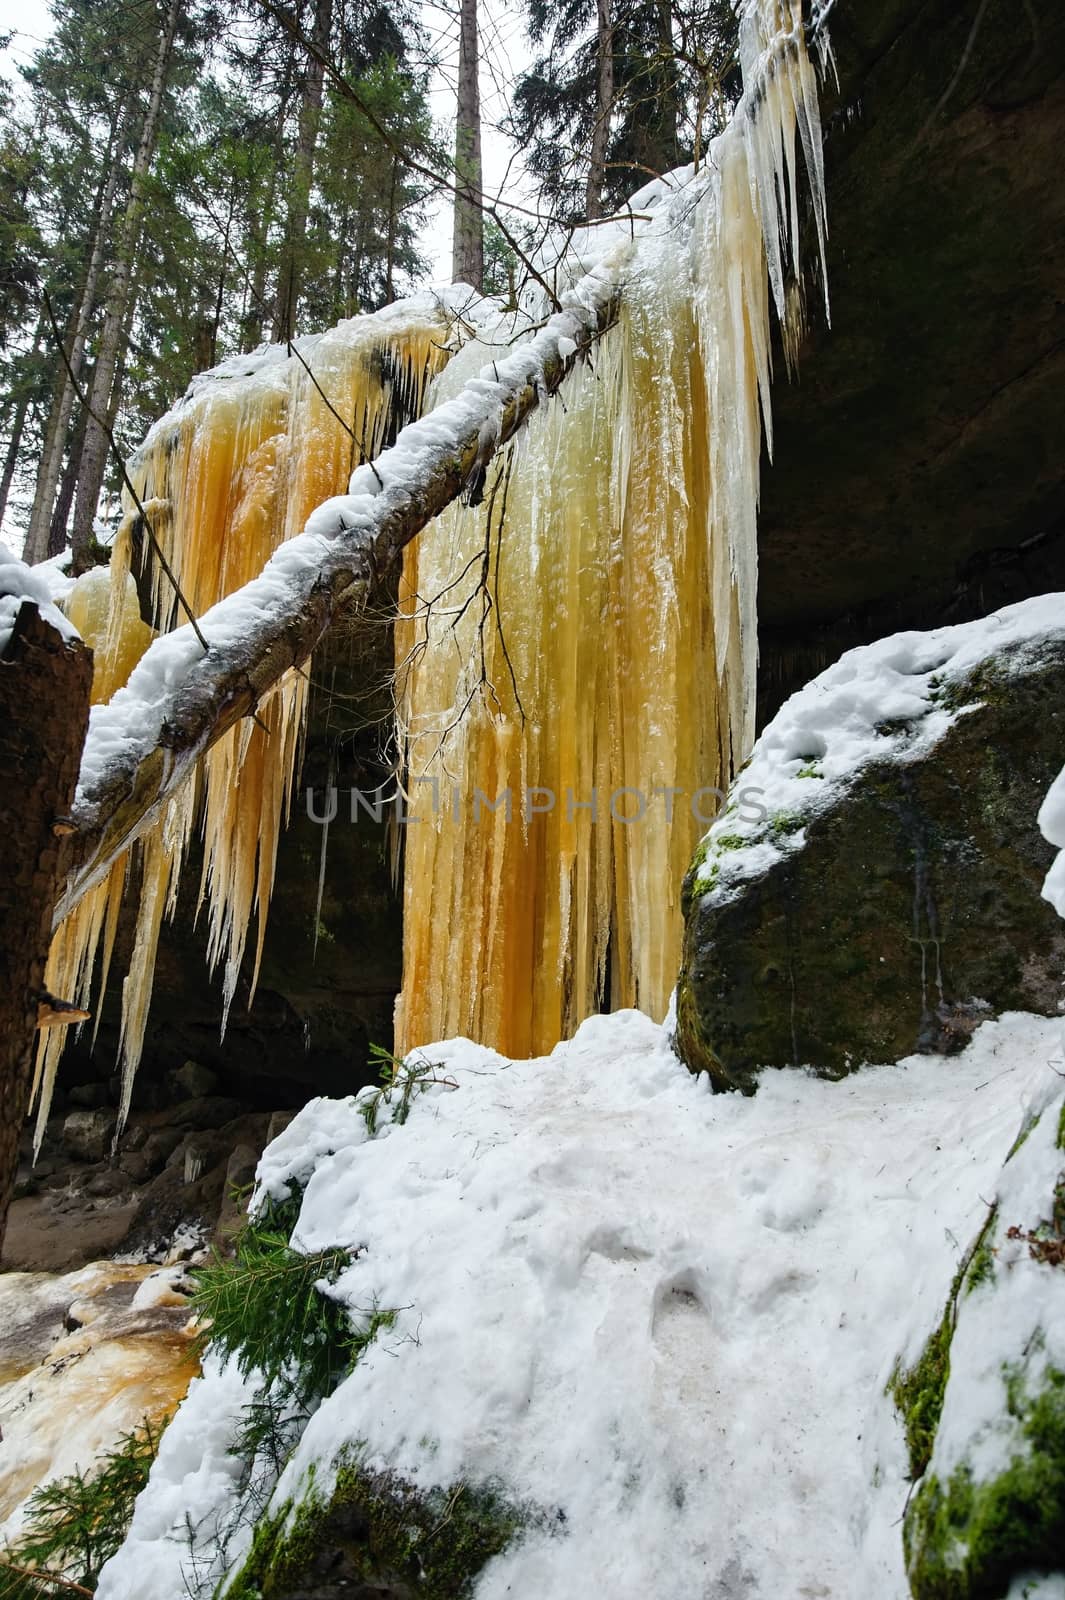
44 584
186 1525
1052 823
668 1315
1014 1319
888 701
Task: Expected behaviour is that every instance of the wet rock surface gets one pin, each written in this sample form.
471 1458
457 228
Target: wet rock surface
85 1357
87 1134
917 472
182 1169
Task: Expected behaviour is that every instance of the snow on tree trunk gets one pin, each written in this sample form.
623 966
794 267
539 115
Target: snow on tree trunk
178 702
693 278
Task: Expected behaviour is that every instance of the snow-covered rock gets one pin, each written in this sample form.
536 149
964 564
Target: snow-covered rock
44 585
990 1503
1052 823
874 884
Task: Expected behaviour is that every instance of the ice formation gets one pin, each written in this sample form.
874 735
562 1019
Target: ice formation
228 476
584 640
85 1358
104 607
588 630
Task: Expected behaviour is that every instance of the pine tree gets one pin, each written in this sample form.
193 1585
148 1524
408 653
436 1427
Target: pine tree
177 190
23 368
20 243
86 89
604 106
57 432
120 302
293 244
621 90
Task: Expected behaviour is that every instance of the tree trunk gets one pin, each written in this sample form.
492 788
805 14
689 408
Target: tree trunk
57 531
340 305
252 327
119 306
275 627
223 270
44 712
669 92
252 323
260 221
18 423
37 537
57 537
604 104
390 289
201 330
467 257
356 297
290 274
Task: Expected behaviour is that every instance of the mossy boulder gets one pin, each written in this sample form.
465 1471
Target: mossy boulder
894 910
374 1536
967 1539
988 1393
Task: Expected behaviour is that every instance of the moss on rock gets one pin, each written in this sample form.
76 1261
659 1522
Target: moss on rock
966 1539
990 1504
698 1051
918 1392
376 1534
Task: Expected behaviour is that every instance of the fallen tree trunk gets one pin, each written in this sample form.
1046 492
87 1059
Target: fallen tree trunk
44 710
180 700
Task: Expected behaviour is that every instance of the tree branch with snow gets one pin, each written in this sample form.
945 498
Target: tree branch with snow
180 700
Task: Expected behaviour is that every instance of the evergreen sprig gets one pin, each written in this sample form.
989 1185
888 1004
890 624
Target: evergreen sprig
75 1524
267 1307
400 1081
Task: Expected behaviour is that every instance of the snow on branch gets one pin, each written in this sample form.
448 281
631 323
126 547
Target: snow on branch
180 700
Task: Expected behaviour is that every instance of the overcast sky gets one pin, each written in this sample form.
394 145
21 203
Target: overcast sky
504 51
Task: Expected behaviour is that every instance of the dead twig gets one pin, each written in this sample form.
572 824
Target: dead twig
66 1584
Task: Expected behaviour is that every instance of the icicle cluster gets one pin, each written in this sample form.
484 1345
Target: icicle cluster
584 642
232 473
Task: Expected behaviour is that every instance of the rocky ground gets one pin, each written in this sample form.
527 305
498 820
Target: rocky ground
96 1334
179 1168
